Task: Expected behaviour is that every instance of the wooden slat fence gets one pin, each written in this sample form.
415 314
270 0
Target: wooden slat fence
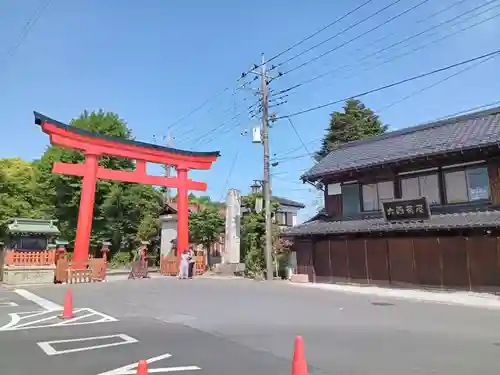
93 270
470 263
168 265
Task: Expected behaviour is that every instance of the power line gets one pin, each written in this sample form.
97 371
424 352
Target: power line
309 37
358 36
392 59
233 163
455 114
349 65
217 94
190 135
385 87
28 27
300 138
319 31
480 62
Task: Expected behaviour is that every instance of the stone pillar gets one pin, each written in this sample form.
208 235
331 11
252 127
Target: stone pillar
231 254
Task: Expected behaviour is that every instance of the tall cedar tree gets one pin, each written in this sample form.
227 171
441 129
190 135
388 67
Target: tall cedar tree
354 123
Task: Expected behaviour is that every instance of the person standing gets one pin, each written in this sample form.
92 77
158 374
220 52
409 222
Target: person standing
184 266
192 262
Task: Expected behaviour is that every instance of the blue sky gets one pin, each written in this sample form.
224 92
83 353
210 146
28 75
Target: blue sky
153 61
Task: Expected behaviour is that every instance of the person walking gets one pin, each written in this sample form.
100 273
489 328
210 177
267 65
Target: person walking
184 266
192 262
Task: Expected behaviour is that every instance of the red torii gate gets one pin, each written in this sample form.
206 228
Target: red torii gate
94 145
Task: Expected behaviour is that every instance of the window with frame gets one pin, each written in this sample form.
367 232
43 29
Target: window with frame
421 186
350 199
373 194
281 218
467 185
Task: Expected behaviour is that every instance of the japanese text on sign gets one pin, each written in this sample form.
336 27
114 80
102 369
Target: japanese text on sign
410 209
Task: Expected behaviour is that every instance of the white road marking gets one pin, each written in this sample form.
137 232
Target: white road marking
132 368
45 319
47 347
42 302
8 304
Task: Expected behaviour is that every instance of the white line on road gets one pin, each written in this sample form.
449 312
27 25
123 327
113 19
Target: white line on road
47 347
8 304
42 302
164 369
46 319
132 368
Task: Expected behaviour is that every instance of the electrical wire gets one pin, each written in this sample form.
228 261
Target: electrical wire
394 58
418 92
300 138
28 27
385 87
274 57
350 65
281 157
233 163
356 37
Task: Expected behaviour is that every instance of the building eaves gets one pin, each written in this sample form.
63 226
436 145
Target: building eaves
287 202
470 131
465 220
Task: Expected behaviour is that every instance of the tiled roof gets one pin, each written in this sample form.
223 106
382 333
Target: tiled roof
287 202
484 219
20 225
470 131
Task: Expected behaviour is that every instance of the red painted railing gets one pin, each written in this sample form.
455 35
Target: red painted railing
30 258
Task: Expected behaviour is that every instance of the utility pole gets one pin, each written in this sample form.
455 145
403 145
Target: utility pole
267 176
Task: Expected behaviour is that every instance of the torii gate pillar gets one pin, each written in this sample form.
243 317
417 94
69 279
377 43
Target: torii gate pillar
86 209
182 213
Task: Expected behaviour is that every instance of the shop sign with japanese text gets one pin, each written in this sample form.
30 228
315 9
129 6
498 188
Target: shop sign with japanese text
406 209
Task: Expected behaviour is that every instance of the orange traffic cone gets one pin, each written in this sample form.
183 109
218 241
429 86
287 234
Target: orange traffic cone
68 306
299 364
142 368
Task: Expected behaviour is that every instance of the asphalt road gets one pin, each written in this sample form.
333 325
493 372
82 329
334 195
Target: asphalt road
248 327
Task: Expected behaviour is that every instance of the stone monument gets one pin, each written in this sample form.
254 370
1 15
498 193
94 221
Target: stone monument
231 262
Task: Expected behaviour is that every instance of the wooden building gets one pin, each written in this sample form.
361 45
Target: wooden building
417 206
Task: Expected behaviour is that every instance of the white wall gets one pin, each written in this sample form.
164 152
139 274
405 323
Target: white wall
168 233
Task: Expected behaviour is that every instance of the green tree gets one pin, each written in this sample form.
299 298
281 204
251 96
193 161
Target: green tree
253 230
354 123
205 228
20 194
119 207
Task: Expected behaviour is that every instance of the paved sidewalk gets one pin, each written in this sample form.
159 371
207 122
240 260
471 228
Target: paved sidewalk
463 298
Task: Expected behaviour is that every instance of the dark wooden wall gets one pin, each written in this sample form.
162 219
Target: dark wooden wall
333 204
446 262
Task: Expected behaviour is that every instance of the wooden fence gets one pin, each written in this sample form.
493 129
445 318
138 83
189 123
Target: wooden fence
471 263
30 258
169 267
83 272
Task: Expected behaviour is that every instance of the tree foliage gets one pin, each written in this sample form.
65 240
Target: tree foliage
206 226
20 194
355 122
123 213
253 230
